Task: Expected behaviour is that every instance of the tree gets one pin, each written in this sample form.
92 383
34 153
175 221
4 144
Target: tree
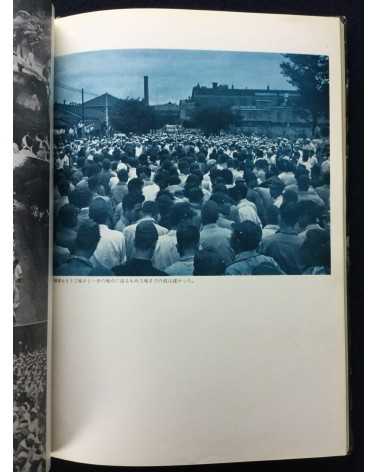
132 115
213 119
310 75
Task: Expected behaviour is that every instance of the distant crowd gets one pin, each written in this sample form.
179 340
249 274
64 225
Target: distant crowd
29 410
187 204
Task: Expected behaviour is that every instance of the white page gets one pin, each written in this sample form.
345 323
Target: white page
216 369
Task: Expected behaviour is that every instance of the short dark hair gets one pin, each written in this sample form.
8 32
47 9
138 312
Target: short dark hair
131 199
208 262
146 235
194 194
80 197
316 249
303 182
289 213
135 185
246 236
150 208
99 211
143 170
123 175
308 209
180 212
88 236
93 183
67 216
210 212
187 236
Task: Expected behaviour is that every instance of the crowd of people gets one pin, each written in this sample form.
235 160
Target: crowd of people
188 204
29 411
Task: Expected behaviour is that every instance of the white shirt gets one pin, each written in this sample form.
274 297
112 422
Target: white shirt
150 190
111 249
166 251
129 234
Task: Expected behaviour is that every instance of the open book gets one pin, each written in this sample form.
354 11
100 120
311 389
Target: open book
179 237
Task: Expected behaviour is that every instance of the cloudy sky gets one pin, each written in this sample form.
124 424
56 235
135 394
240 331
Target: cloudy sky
172 73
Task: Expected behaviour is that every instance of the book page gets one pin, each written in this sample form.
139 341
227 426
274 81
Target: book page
199 251
32 100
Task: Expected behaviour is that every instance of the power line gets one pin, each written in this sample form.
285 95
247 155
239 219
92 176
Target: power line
74 89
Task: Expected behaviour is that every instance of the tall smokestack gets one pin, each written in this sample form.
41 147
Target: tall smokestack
146 93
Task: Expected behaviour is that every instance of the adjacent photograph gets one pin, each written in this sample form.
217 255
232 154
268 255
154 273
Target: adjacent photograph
31 177
191 163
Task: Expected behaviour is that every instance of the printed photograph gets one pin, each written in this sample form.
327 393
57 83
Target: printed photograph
191 163
31 175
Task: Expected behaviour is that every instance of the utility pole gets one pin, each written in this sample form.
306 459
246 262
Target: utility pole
82 105
106 115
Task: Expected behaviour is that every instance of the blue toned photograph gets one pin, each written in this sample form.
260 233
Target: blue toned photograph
191 163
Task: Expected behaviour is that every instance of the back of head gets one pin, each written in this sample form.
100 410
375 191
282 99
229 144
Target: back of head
290 196
188 237
316 249
123 175
80 197
150 209
135 185
130 200
194 194
88 237
180 212
146 236
67 216
246 236
210 212
289 214
99 211
308 211
303 183
208 262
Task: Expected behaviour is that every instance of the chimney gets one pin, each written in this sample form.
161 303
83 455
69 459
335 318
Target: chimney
146 92
215 85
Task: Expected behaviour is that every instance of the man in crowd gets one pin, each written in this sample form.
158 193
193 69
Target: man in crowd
213 236
246 237
188 237
111 249
80 262
284 245
146 237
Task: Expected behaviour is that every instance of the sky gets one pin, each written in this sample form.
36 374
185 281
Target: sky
172 73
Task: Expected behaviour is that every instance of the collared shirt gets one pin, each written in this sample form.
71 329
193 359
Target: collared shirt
129 234
217 239
284 247
248 263
184 266
166 251
111 249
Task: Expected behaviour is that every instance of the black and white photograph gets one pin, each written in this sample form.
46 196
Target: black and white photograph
31 177
191 163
